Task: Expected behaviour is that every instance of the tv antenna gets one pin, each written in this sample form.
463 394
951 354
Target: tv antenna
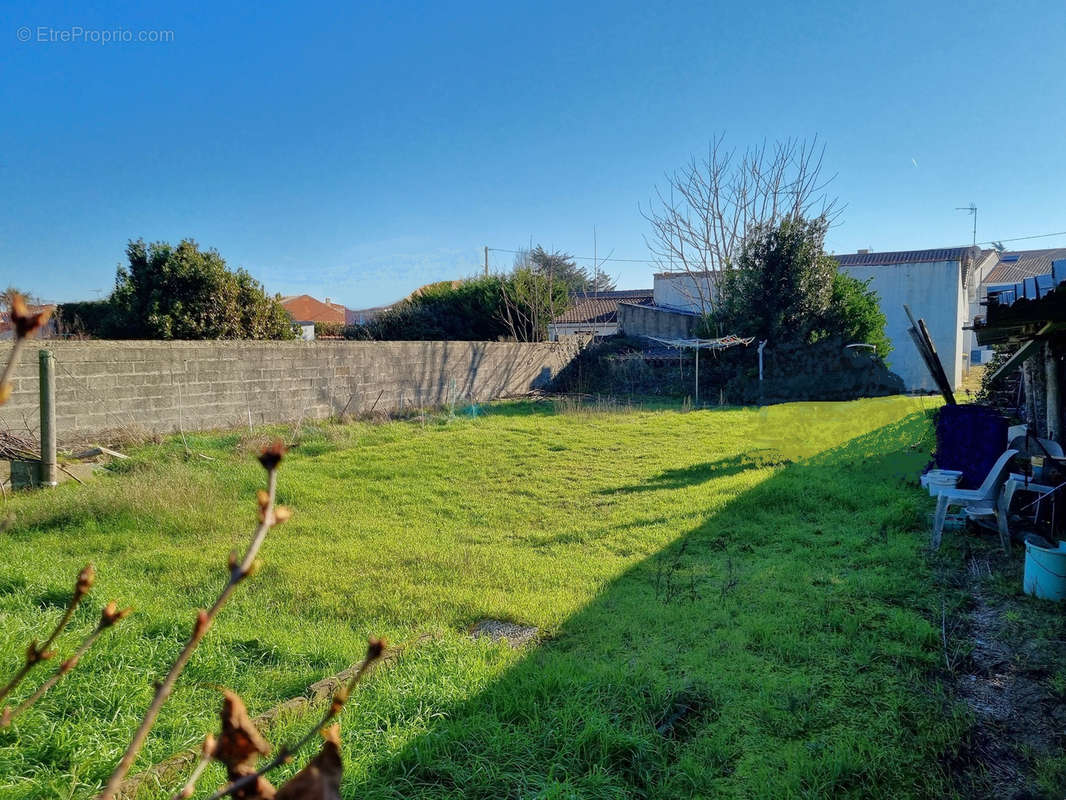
973 210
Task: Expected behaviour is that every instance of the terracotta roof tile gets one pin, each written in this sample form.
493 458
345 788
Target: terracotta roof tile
601 307
304 308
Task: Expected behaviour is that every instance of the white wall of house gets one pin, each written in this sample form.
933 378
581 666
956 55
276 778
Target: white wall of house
688 291
975 294
935 293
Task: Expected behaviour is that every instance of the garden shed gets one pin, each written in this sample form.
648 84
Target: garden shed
1031 316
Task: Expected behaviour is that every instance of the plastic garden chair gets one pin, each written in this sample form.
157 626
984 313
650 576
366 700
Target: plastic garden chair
986 500
1036 447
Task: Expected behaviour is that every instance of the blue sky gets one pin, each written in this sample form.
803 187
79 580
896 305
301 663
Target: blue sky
358 150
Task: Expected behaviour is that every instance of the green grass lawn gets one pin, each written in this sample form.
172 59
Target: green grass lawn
734 603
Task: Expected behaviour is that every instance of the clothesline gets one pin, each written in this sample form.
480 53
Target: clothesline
705 344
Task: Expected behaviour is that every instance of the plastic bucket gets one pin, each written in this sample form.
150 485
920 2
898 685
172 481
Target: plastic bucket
1045 571
936 480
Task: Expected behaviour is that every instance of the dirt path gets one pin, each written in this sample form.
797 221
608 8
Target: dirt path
1002 654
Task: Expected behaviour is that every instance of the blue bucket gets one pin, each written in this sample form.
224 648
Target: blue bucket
1045 571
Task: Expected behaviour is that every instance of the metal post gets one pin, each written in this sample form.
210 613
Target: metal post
486 261
48 417
697 403
762 344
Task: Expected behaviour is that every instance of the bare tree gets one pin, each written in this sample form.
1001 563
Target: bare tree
534 294
701 216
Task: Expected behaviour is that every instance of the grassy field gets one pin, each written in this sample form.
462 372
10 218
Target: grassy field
733 603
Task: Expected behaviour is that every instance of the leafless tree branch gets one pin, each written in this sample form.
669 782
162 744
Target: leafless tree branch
709 205
268 517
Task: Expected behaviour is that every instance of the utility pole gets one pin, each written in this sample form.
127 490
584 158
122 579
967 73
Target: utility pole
486 261
973 210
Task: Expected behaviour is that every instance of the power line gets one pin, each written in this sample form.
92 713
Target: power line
1023 238
583 258
659 262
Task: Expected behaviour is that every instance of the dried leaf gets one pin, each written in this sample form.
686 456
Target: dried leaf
321 778
240 744
375 649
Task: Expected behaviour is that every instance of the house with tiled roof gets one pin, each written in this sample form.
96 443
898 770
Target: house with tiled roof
595 313
1014 266
306 311
942 286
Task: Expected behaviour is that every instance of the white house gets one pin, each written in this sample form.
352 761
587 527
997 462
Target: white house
686 291
937 286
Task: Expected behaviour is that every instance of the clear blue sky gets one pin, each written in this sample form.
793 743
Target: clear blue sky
358 150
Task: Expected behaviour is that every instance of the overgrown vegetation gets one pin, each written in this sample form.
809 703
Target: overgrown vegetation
784 288
757 622
517 305
823 370
470 311
181 292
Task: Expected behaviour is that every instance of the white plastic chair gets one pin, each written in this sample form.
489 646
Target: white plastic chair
1037 447
985 500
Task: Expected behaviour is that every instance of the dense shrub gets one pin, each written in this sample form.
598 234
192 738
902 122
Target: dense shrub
786 289
329 329
181 292
514 306
470 311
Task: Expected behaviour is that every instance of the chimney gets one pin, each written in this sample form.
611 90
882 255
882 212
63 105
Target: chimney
327 301
863 252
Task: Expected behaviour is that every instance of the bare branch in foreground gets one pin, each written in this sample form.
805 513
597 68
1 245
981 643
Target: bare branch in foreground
108 617
35 654
207 752
26 325
270 458
374 651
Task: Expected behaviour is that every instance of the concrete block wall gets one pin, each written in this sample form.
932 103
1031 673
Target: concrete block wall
159 387
635 320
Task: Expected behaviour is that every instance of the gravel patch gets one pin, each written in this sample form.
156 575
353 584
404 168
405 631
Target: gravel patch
514 634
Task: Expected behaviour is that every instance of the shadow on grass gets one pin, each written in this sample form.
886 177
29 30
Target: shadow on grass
792 660
701 473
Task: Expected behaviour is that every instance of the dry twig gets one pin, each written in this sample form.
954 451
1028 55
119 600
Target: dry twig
111 615
269 516
374 651
35 654
26 325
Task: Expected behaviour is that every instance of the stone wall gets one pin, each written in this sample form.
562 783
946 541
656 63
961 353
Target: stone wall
159 387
